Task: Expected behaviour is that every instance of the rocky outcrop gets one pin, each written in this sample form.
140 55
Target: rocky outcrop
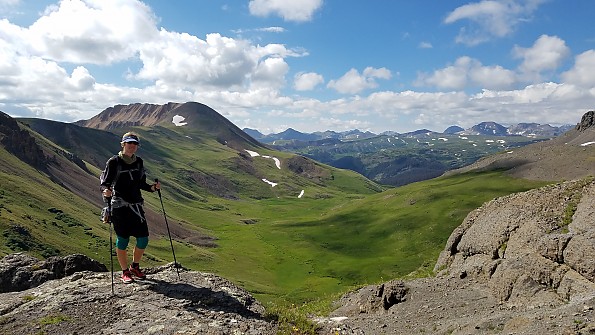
20 271
374 298
83 303
528 245
519 264
20 143
587 121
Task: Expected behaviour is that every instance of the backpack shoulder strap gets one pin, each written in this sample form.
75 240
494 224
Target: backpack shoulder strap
118 171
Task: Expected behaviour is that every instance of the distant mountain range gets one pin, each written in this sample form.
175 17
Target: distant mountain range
534 130
292 134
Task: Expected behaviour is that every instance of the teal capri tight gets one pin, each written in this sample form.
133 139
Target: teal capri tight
122 243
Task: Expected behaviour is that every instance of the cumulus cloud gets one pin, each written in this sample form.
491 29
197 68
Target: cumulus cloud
467 72
188 61
581 73
546 54
298 11
307 81
353 82
98 32
270 73
490 18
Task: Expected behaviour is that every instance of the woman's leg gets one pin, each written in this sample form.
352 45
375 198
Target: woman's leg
137 255
122 258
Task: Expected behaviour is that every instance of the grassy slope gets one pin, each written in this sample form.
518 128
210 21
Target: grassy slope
301 249
23 204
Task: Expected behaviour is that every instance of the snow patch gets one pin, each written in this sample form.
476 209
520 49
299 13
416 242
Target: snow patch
255 154
277 161
252 153
178 120
269 182
301 194
587 143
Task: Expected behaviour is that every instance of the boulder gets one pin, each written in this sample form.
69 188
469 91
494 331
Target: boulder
587 121
20 271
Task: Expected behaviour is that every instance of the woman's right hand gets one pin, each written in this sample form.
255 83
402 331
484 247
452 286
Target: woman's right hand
107 193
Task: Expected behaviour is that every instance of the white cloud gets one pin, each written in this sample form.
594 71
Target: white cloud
270 73
466 72
188 61
492 77
307 81
272 29
491 18
425 45
298 11
582 72
99 32
381 73
547 53
353 82
7 5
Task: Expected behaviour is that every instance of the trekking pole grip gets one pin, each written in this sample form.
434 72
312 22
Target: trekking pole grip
158 190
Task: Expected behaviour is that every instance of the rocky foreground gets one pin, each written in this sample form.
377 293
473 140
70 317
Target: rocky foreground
83 303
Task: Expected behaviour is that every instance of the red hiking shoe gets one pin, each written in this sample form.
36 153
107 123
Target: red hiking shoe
126 277
136 271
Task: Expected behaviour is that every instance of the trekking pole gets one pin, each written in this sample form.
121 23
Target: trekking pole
168 233
111 251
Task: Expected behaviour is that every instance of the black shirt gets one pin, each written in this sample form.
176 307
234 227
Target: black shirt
129 179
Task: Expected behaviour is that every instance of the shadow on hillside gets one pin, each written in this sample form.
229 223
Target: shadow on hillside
194 298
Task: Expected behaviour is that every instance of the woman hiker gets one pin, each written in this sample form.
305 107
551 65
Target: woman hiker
121 181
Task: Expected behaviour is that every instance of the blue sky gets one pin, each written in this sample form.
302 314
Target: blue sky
312 65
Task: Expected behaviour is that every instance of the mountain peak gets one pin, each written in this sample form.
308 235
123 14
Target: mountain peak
453 130
192 115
